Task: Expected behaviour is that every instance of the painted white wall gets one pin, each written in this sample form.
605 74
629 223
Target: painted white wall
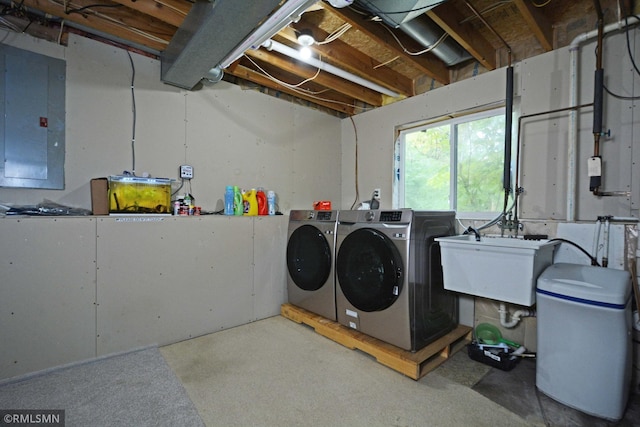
541 84
229 135
118 285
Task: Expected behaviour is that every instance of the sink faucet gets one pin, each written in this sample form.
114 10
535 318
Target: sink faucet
474 231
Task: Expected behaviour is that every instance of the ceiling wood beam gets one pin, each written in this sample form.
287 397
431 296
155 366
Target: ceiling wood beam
169 11
537 22
124 23
448 18
248 74
426 63
352 60
324 79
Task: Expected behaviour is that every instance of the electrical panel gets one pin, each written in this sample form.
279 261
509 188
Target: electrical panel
32 114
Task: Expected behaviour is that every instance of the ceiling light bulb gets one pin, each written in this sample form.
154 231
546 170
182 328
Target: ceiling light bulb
305 52
305 38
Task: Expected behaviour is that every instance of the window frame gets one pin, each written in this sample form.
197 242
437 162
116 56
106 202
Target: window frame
451 120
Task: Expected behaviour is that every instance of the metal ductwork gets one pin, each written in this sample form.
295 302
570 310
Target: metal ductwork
427 33
408 15
211 30
396 12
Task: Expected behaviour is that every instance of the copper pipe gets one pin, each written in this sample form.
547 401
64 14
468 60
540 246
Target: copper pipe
484 21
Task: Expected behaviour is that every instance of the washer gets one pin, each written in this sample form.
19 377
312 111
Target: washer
389 276
310 261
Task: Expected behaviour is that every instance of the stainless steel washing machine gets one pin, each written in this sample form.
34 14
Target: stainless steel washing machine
389 277
310 261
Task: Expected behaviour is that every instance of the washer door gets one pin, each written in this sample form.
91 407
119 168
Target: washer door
370 270
308 258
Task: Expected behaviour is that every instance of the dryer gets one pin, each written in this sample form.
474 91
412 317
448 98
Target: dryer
389 277
310 261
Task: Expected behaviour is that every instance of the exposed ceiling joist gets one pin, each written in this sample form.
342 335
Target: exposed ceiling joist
426 63
120 22
538 22
368 49
172 12
449 18
352 60
321 78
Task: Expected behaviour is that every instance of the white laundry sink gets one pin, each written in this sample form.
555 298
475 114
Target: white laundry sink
501 268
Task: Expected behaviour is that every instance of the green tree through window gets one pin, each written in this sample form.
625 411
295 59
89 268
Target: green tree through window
462 157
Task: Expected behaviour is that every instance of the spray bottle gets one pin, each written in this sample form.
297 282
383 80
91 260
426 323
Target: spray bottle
271 201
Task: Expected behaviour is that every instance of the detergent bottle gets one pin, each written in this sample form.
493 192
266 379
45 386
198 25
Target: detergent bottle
251 202
228 200
238 206
263 209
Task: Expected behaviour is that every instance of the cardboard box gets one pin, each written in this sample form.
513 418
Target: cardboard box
100 196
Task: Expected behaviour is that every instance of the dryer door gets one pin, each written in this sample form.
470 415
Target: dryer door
308 258
370 270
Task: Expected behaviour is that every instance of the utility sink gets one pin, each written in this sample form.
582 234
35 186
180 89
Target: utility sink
501 268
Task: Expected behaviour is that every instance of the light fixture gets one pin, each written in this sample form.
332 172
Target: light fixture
340 3
306 40
287 13
292 53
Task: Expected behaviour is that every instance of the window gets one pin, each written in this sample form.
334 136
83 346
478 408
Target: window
455 163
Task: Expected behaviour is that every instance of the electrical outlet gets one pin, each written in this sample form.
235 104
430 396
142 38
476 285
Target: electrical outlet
186 172
376 194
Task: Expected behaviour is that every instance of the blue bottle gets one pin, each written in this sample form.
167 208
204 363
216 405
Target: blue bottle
228 200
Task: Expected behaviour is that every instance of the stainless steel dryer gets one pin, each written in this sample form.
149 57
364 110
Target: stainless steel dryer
389 277
310 261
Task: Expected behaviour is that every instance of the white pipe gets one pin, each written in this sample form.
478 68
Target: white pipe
572 149
515 317
293 53
605 252
282 17
596 239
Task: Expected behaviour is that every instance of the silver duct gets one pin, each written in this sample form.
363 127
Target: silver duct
396 12
408 15
427 33
209 32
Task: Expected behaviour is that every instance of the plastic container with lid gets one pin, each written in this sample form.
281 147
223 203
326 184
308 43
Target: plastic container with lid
584 331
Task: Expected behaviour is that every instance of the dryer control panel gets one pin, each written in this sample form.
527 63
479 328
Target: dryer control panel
391 216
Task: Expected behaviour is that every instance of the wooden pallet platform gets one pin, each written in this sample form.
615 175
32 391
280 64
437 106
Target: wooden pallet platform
414 365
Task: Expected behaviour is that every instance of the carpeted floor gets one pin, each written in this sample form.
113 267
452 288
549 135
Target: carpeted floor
132 389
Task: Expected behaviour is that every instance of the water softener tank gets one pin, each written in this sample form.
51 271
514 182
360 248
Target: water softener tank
584 338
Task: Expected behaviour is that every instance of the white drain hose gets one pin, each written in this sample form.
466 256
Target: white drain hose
515 317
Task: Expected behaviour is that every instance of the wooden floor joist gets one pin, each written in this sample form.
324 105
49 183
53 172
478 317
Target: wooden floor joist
414 365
